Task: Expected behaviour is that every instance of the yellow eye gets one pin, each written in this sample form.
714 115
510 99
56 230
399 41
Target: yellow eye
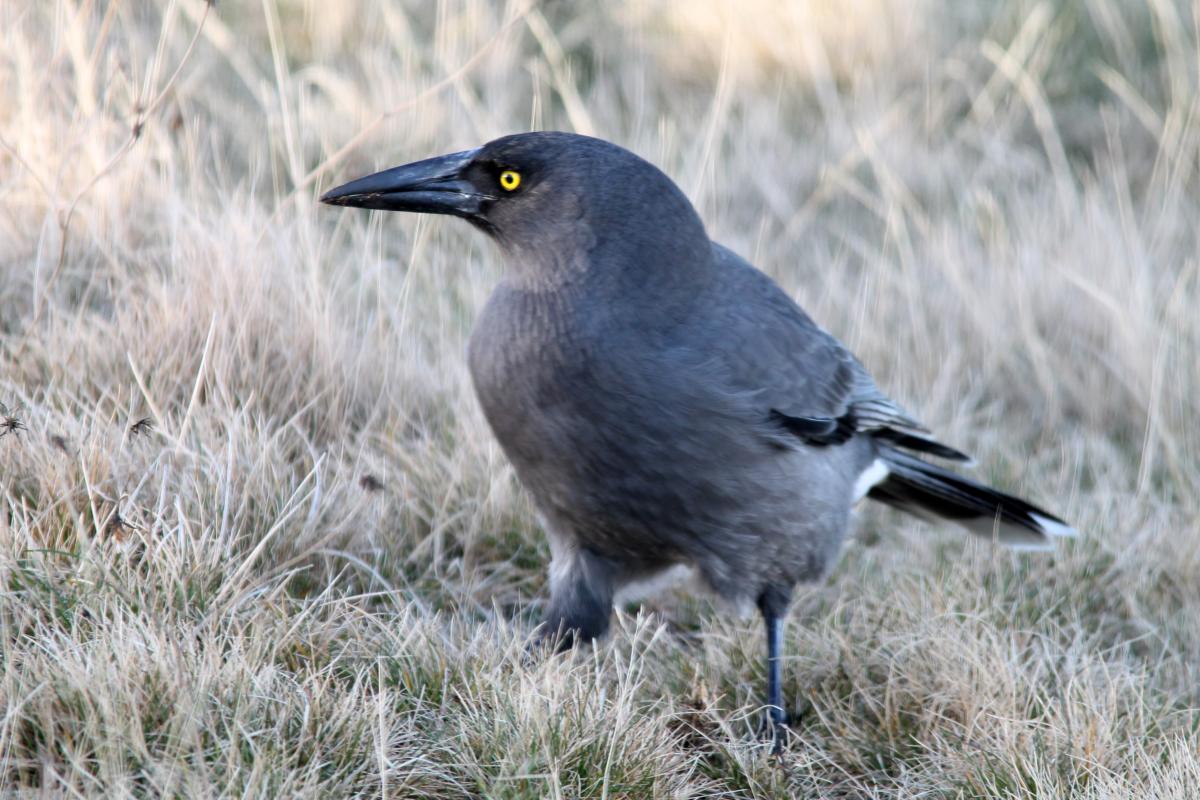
510 179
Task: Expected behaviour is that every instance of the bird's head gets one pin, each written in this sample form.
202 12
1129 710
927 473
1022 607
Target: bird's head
536 192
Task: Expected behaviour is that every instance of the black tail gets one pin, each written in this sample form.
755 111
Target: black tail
927 490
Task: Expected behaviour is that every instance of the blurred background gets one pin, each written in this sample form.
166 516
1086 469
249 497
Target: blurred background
994 204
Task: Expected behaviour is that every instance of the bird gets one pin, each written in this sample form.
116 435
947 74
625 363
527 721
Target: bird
668 406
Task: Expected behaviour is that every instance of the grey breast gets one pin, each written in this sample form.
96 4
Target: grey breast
644 446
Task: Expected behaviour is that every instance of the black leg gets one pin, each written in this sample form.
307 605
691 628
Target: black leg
773 605
774 670
580 601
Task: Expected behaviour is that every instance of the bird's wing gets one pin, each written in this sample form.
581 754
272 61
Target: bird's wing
808 384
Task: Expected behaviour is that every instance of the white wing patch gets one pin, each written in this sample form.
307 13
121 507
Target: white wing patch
871 476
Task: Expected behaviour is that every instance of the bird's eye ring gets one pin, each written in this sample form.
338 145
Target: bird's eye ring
510 179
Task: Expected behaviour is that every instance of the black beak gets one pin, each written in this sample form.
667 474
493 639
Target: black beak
432 186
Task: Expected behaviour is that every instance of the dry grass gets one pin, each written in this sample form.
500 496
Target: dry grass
313 576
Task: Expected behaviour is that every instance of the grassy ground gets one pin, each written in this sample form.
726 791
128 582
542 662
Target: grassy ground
310 572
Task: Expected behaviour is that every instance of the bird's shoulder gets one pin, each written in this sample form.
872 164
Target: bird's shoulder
801 374
771 344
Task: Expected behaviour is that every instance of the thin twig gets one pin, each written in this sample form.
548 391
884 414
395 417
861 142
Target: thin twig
449 80
135 133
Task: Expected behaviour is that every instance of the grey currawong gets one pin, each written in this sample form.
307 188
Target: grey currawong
665 402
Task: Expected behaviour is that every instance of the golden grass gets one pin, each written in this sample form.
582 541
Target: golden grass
313 574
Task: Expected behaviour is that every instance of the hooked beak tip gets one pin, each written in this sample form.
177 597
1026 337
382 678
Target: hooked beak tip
332 198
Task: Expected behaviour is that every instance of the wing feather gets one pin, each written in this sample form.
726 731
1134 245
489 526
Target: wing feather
809 384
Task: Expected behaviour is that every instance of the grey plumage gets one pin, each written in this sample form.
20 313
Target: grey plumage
663 401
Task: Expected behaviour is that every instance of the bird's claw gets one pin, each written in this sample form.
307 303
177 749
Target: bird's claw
775 726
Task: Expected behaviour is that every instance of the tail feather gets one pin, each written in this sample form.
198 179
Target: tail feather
927 490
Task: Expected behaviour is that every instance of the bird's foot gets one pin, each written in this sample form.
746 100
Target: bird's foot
775 726
547 642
